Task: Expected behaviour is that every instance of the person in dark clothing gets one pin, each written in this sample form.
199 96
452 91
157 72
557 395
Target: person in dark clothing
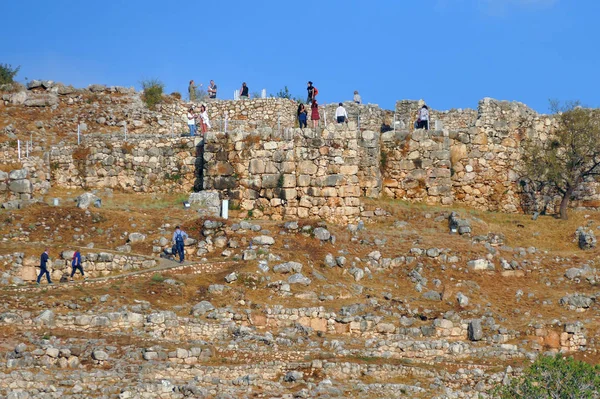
302 116
311 93
244 91
179 237
44 267
76 264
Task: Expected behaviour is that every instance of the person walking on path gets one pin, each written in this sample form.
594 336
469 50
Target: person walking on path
357 98
244 91
44 267
179 237
191 120
192 91
212 90
314 113
76 264
341 114
204 121
423 122
302 115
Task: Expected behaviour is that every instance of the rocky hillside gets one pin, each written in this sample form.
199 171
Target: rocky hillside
413 302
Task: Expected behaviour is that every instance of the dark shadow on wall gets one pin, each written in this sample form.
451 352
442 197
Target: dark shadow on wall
199 167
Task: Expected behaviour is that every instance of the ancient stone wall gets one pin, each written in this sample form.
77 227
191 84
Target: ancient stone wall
267 166
140 164
310 173
21 186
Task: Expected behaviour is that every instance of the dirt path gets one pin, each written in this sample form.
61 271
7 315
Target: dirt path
163 265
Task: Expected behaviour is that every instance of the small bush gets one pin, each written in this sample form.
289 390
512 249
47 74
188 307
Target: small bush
174 177
201 95
8 73
176 95
157 278
153 91
554 377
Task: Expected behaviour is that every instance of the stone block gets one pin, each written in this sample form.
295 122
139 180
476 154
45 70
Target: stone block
21 186
307 168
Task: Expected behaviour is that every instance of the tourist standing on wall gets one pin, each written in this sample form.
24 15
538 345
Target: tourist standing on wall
44 267
76 264
357 98
314 113
212 90
312 92
423 118
204 118
192 91
302 115
244 91
191 120
179 237
341 114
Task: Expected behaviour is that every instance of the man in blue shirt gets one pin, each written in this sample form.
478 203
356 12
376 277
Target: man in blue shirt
179 237
76 264
44 267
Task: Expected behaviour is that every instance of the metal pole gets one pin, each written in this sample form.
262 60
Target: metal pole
78 134
125 131
27 149
19 148
225 123
358 121
394 122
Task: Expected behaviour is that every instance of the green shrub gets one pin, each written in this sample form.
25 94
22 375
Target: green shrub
554 377
157 278
153 91
176 95
7 73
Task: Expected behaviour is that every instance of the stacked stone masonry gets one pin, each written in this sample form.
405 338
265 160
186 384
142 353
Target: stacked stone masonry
267 166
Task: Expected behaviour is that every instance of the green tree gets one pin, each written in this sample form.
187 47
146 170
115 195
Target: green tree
557 378
153 90
569 155
285 93
8 73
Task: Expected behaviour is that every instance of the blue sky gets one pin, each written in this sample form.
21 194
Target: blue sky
451 53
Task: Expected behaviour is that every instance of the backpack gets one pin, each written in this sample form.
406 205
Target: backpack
179 238
315 92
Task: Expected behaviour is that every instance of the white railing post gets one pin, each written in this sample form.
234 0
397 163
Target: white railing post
19 148
125 130
394 122
225 123
78 134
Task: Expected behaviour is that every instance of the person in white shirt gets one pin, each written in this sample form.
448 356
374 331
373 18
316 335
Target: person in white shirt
191 118
357 98
423 122
340 114
204 118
